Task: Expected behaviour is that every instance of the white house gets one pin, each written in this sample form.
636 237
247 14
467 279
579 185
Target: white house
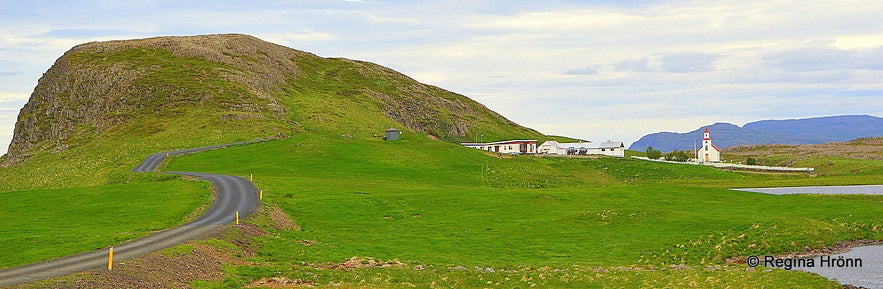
526 146
608 148
708 152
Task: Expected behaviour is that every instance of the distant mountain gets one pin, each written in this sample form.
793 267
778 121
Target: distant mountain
816 130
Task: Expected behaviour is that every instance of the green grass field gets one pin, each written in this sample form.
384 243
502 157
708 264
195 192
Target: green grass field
436 204
45 224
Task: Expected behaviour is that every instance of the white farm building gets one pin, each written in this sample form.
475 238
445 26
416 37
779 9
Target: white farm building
608 148
527 146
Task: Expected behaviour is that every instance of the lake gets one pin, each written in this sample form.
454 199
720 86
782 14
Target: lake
869 274
871 269
824 190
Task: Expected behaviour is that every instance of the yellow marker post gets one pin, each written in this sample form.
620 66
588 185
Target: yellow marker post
261 195
250 177
110 259
237 217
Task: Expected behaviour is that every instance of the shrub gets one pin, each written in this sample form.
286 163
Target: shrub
751 161
653 154
677 156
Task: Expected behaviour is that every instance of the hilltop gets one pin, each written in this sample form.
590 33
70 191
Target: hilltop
817 130
105 105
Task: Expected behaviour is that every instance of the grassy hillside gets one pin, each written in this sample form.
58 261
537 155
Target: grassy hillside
859 156
440 206
343 96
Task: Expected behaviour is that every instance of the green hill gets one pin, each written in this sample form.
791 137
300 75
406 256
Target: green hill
103 106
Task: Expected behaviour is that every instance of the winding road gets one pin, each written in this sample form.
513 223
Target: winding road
232 194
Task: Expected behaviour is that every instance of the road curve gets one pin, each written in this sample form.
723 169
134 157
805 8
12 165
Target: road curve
232 194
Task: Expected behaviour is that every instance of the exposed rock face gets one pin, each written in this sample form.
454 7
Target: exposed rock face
98 86
430 109
85 93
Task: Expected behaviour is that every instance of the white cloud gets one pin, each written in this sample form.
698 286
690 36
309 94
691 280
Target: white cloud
296 37
588 70
858 41
826 58
10 97
7 124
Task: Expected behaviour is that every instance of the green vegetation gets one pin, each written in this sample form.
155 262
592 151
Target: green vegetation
751 161
653 154
677 156
440 206
427 276
44 224
357 98
188 97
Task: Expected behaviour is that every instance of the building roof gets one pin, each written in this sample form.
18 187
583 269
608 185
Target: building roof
612 144
712 145
590 145
512 141
471 144
392 130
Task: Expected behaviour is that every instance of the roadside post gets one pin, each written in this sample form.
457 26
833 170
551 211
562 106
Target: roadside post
110 259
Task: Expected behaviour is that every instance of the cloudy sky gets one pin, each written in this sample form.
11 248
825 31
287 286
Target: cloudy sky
590 69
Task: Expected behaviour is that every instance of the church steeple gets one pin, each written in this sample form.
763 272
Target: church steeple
708 152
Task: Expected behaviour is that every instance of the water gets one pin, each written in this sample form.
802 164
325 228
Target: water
870 274
826 190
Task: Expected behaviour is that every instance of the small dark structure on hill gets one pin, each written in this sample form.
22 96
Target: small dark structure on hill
392 134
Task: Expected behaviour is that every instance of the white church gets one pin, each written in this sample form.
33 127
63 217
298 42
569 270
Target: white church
708 152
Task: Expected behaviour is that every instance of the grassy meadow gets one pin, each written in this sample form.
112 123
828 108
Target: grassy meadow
437 205
45 224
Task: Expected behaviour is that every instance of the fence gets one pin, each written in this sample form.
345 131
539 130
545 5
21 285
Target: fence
733 166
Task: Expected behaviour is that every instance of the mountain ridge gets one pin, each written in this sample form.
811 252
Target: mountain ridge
815 130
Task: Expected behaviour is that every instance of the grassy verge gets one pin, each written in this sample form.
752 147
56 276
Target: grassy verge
422 276
44 224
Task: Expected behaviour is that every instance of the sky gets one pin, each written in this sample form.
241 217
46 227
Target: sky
596 70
